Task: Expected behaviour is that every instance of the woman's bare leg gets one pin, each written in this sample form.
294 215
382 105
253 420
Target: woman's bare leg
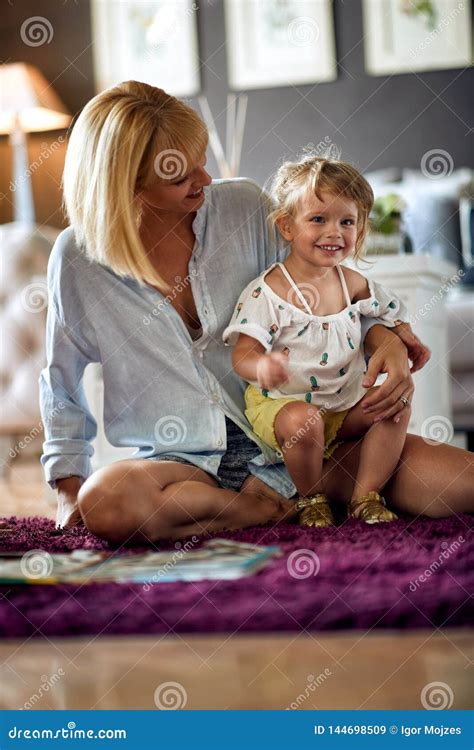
434 480
134 501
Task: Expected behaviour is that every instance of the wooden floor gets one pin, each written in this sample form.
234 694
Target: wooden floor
375 670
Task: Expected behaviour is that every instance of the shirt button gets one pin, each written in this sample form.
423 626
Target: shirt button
219 443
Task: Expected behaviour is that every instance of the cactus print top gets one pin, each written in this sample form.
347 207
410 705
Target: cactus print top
325 358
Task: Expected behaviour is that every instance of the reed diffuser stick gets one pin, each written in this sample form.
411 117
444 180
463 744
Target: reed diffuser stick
214 140
239 134
230 130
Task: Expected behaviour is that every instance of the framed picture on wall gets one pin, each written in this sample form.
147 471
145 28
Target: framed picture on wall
154 41
279 43
402 36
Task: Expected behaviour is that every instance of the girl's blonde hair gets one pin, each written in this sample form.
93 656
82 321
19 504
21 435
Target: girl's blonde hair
125 138
315 174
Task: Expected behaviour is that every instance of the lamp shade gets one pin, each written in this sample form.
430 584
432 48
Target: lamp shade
26 94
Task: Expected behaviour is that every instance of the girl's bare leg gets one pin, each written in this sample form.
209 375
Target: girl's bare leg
433 480
381 447
299 430
135 501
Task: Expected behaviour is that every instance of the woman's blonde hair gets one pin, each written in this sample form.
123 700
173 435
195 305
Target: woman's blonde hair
315 174
125 138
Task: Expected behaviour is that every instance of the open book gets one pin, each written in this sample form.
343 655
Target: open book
214 560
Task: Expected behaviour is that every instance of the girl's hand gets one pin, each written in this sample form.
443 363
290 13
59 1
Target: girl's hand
385 402
272 370
417 352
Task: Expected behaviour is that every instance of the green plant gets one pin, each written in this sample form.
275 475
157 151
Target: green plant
423 9
385 215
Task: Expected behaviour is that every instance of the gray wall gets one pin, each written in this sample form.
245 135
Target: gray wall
377 122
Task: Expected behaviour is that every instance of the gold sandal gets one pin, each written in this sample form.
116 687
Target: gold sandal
315 511
371 508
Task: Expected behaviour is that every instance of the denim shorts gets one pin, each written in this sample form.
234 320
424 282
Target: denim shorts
232 470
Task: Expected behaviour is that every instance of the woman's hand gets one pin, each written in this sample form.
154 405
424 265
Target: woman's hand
68 514
417 352
272 370
388 355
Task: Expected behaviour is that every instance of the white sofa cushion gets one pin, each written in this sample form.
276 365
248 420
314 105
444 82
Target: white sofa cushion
24 253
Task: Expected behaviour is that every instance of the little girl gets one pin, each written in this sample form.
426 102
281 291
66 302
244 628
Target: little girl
297 335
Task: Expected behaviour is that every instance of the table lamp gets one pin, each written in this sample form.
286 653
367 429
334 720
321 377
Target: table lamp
28 104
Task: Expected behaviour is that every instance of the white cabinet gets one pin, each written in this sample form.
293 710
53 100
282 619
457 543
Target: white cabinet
422 282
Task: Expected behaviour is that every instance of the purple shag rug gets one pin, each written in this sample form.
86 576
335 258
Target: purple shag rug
412 573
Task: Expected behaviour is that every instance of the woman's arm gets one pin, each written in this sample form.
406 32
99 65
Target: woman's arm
418 353
388 354
69 426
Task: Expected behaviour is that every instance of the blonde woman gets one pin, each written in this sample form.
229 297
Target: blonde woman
144 281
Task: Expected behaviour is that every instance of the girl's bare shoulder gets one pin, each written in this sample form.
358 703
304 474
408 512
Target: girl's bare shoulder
357 284
277 281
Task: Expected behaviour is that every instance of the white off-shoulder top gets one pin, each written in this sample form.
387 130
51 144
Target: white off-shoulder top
325 357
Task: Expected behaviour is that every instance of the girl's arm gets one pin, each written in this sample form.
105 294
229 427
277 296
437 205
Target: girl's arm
253 365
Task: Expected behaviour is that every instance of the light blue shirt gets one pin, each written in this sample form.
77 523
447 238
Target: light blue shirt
164 394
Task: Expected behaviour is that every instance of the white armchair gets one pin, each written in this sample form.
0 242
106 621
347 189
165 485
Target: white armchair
24 253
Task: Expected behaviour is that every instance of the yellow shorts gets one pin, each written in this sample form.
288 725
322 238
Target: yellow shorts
261 412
